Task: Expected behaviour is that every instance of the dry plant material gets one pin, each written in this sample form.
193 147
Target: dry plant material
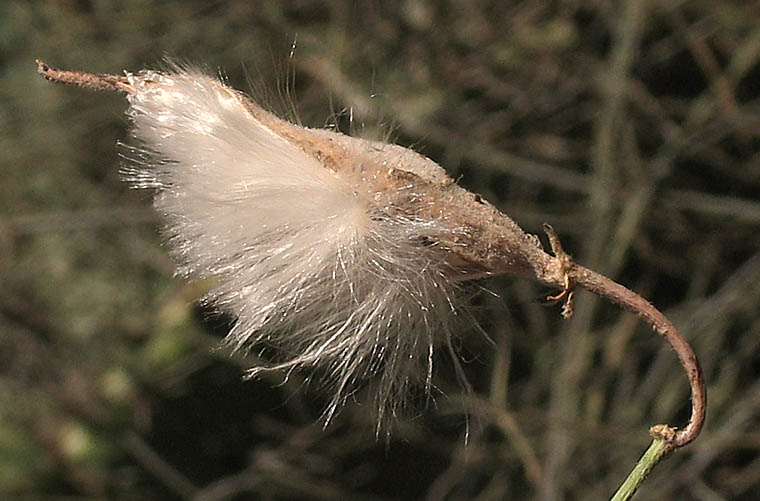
335 252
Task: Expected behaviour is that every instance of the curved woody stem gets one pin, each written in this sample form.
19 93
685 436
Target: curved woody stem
603 286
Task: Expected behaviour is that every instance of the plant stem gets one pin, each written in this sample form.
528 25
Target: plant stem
631 301
657 450
666 438
575 274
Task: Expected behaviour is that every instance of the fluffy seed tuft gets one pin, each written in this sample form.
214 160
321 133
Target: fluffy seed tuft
316 258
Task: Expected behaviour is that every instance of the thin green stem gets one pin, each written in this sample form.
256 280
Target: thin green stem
657 450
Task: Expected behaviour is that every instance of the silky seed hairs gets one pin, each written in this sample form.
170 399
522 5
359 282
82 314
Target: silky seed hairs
332 252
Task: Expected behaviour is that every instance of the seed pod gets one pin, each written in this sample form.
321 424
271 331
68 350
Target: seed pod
335 252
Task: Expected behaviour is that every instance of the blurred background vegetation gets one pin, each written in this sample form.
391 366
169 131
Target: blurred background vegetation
631 126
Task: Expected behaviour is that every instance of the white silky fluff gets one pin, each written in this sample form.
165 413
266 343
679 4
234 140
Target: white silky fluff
314 275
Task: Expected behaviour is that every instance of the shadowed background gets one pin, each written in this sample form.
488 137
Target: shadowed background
631 126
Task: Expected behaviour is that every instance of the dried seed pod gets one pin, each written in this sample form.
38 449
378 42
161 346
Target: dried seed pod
337 252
